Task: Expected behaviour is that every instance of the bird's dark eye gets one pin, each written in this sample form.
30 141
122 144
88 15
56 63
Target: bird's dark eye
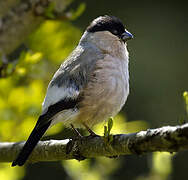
115 31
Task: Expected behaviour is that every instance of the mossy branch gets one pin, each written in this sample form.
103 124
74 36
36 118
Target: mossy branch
166 139
22 17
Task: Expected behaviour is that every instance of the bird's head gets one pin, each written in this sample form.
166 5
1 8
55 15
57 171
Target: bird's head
110 24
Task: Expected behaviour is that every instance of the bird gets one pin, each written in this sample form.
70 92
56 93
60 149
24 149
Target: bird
90 86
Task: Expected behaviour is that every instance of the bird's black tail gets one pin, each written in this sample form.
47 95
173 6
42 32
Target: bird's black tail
30 144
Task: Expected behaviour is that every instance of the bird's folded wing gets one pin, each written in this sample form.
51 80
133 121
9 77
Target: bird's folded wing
64 90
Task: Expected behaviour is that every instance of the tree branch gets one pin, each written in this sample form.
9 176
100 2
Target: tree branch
22 19
168 139
6 5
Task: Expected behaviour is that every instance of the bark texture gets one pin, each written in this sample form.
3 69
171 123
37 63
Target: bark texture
19 18
166 139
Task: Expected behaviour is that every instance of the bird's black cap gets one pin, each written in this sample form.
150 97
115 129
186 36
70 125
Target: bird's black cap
107 23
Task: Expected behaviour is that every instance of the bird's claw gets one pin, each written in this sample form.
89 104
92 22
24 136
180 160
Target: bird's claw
71 145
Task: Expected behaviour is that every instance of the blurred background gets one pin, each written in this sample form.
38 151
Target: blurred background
158 78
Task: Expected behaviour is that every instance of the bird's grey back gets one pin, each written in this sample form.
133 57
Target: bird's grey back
77 67
73 75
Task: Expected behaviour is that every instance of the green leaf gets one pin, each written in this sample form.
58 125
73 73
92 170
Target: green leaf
49 12
105 131
185 96
110 139
110 125
76 13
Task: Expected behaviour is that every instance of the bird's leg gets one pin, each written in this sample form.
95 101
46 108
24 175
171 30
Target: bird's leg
90 131
76 131
72 145
72 141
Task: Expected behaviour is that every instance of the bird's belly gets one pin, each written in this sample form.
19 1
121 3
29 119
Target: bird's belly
110 102
105 96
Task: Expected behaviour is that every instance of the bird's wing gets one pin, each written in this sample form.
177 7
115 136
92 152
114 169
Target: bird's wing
64 90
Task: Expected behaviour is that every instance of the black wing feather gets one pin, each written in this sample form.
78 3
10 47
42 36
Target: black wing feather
30 144
41 126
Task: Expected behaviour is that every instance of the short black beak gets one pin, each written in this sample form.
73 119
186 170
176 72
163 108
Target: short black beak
126 36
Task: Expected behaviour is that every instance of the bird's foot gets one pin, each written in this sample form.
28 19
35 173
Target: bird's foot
91 133
76 132
113 157
72 141
78 156
72 147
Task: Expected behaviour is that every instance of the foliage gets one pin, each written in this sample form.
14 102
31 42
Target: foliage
185 96
7 173
107 136
21 94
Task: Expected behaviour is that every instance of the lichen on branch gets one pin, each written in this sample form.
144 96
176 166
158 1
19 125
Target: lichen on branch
165 139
